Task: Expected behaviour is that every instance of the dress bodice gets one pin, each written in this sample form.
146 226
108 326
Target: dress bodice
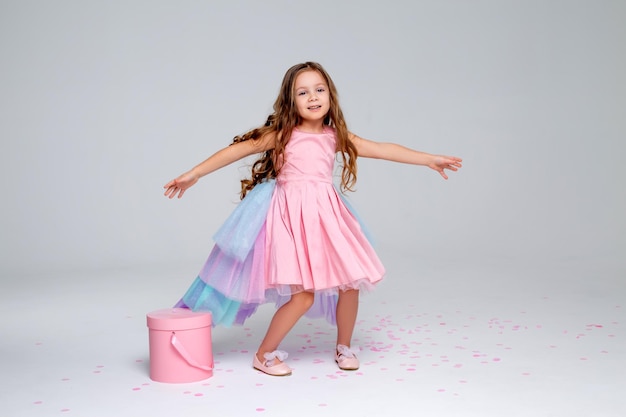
309 157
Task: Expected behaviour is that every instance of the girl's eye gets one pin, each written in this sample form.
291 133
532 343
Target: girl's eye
301 93
320 90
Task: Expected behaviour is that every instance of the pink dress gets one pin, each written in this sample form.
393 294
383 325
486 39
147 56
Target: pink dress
289 235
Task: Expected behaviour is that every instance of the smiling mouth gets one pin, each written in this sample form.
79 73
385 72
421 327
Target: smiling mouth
314 107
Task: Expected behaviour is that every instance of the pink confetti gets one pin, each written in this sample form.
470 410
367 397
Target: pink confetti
63 410
136 389
38 402
260 409
323 405
198 394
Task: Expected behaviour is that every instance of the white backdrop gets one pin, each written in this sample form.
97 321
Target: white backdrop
101 103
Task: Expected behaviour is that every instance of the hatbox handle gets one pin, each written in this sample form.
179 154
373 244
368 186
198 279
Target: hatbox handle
186 356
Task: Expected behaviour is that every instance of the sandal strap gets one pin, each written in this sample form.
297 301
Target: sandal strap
277 354
347 352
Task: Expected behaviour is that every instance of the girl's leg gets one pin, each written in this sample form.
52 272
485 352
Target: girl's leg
347 308
283 321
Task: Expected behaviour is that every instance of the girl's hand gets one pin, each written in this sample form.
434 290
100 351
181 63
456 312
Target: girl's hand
442 162
180 185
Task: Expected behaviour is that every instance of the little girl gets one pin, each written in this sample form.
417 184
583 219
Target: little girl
292 239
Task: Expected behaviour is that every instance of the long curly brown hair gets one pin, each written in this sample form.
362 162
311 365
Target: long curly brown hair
282 122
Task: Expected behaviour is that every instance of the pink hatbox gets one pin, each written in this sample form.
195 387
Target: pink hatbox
180 345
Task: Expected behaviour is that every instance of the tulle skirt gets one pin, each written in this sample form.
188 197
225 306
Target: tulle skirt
233 282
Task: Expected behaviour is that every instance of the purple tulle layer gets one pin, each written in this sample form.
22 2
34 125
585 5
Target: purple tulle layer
232 283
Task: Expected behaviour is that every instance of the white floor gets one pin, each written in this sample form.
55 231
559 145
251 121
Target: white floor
438 338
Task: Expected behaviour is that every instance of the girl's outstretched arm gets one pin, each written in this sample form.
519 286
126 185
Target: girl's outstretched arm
398 153
218 160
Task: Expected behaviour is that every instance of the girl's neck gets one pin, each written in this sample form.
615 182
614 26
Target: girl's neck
316 127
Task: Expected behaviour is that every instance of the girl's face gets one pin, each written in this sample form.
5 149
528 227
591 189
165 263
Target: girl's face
311 96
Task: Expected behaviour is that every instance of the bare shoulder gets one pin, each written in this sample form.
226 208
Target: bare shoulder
364 147
261 144
267 141
355 139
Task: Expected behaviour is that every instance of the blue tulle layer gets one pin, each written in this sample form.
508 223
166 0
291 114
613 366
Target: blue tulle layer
231 285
